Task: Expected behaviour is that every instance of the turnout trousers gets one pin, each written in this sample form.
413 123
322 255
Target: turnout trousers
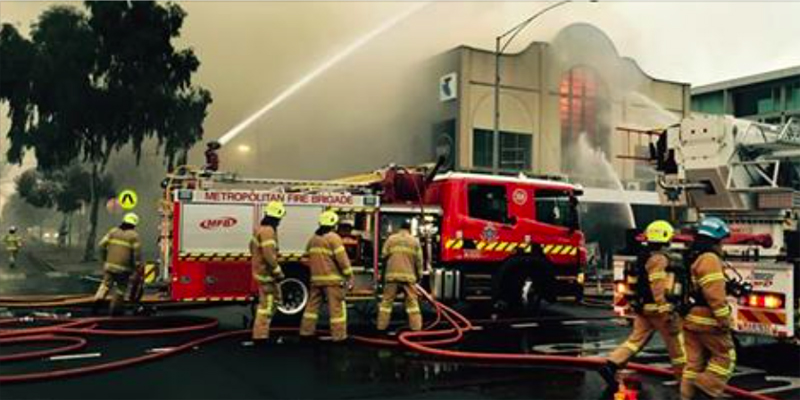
117 284
269 295
337 310
644 326
412 305
711 360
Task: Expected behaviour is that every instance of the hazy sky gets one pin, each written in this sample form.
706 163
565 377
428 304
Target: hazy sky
250 51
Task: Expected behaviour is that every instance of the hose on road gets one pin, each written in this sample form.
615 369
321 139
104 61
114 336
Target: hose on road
428 341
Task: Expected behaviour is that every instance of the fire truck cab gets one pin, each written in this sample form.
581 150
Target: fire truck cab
511 241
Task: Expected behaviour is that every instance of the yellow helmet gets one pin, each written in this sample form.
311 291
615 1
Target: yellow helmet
659 232
275 209
131 218
328 218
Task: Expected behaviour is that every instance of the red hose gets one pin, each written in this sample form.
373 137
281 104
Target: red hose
73 327
459 325
77 343
92 322
109 366
454 318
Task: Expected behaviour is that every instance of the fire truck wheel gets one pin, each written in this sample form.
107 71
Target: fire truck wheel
524 284
294 294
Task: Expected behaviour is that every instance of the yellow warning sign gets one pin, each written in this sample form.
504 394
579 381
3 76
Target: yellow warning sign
150 271
127 199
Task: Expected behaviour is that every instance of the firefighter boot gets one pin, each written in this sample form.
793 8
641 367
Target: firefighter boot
116 307
609 374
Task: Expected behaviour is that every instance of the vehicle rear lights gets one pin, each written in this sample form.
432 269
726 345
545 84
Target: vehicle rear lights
763 300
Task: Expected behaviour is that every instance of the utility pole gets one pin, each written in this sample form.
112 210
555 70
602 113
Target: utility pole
499 48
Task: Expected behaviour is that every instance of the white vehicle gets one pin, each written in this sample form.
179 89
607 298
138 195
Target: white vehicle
748 174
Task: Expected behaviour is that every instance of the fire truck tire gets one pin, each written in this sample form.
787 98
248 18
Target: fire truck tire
294 292
524 284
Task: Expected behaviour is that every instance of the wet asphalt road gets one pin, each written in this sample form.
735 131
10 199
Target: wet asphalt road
231 369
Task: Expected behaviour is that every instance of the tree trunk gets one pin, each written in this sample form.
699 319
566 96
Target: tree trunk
63 230
88 254
70 234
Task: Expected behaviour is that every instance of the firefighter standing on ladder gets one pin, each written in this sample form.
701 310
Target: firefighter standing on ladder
330 266
709 344
266 270
653 313
403 255
121 251
13 243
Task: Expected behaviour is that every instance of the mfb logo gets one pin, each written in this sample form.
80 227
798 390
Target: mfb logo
216 223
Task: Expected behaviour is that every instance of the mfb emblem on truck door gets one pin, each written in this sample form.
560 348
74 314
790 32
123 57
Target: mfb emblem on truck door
217 223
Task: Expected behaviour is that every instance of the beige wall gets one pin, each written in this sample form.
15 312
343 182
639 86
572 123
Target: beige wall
529 101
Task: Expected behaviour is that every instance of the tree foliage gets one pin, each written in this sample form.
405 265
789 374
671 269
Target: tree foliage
64 190
88 82
85 85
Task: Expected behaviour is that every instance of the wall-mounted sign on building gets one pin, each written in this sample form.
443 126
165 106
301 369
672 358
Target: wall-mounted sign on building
448 87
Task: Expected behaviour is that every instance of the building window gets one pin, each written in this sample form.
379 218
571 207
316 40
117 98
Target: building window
757 101
711 103
793 96
488 202
584 110
515 150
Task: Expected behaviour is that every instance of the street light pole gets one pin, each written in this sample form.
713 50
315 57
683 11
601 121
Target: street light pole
499 48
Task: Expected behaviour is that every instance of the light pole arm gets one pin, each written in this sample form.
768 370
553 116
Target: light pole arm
499 48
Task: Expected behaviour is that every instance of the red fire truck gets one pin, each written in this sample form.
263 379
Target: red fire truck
511 241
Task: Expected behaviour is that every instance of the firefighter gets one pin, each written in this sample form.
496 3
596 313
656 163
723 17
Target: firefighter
351 241
212 158
648 282
711 356
330 267
13 244
266 270
403 255
121 251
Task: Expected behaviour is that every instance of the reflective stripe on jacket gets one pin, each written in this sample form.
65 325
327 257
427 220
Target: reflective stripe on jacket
264 255
121 250
656 267
708 278
403 255
328 260
13 241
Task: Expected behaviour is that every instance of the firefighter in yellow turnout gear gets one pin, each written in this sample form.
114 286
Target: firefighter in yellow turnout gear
648 284
121 251
403 255
330 267
266 270
13 243
709 345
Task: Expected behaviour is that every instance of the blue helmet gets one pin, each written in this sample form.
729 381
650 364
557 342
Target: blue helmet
714 228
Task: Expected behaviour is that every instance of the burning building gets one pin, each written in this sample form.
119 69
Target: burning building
552 94
572 107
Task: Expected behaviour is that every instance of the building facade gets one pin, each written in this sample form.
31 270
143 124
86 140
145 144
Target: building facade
771 97
572 107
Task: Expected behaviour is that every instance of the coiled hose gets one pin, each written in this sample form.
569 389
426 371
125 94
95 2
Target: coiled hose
427 341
